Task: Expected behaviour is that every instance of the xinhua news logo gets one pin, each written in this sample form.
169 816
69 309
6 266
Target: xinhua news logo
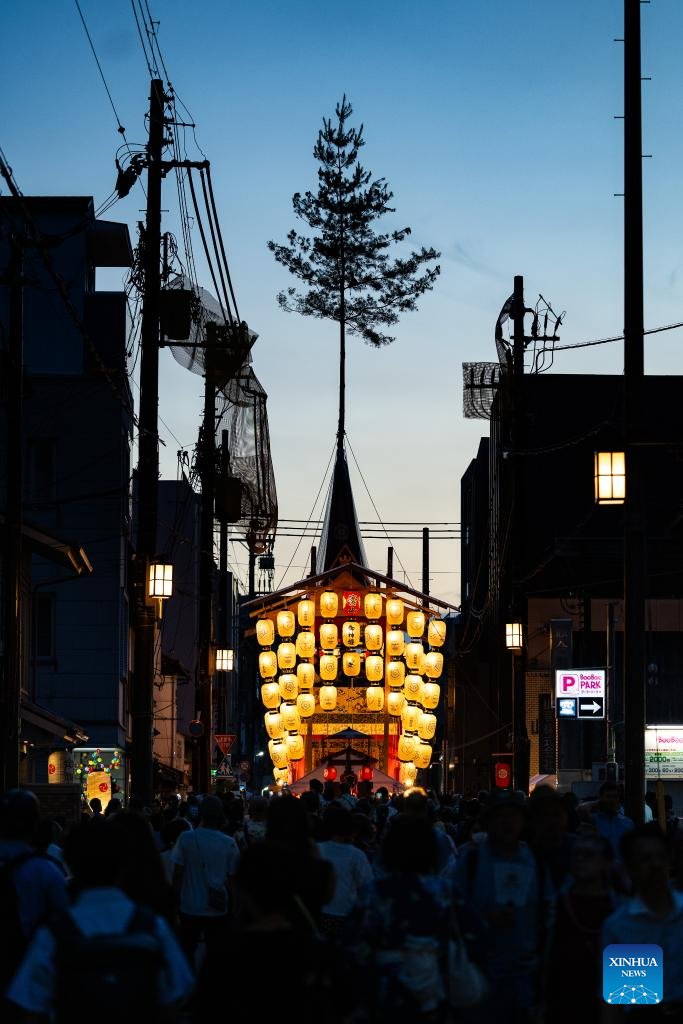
633 974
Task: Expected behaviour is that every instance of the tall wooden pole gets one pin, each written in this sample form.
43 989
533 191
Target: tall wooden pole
206 563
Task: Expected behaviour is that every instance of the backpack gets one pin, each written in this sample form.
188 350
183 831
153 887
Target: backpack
13 942
115 976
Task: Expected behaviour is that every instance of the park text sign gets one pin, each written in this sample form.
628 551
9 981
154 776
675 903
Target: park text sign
580 693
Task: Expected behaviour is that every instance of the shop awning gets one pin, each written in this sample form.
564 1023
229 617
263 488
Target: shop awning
44 728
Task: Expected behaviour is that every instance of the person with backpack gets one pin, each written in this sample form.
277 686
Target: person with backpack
119 961
31 886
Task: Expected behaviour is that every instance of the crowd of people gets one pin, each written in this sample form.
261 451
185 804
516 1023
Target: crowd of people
335 907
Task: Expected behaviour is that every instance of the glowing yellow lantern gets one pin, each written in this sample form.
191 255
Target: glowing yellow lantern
415 623
412 687
286 656
270 695
160 583
395 702
410 717
278 753
295 747
305 675
285 623
305 704
305 612
328 667
395 643
329 604
430 695
394 611
374 668
433 664
351 663
351 634
436 632
267 664
288 686
408 773
274 726
426 726
373 637
395 673
265 632
374 696
328 698
610 478
290 717
423 754
373 605
329 636
305 644
407 745
514 637
281 775
414 655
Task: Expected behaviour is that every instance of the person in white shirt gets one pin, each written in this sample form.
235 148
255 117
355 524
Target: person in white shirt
204 862
351 868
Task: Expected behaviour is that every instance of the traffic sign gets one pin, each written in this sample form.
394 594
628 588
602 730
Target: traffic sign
566 707
591 707
580 682
224 741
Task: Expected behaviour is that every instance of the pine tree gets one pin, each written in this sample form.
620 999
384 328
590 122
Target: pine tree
346 265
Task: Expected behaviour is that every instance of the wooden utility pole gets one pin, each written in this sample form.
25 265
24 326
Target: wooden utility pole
10 695
142 782
634 518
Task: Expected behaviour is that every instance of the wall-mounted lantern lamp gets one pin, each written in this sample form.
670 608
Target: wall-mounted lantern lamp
225 660
514 637
610 478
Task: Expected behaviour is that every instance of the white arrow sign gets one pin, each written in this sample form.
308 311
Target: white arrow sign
593 707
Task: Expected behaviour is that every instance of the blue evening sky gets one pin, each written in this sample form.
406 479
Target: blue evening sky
492 121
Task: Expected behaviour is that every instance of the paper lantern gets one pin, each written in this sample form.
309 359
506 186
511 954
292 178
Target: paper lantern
225 659
274 726
328 667
305 611
408 773
412 687
305 675
329 604
265 632
285 622
270 695
328 698
351 634
430 695
514 636
329 636
305 644
415 623
295 747
373 637
394 611
291 719
423 754
374 668
374 696
410 717
330 774
436 632
395 673
395 643
365 773
610 478
407 745
395 702
288 686
281 775
426 726
160 583
267 664
278 753
305 704
286 656
414 655
433 664
351 663
373 605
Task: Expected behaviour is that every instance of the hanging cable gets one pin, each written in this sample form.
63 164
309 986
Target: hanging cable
327 469
220 239
215 246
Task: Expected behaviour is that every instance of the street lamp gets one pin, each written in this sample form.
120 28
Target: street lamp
610 478
225 660
160 586
514 637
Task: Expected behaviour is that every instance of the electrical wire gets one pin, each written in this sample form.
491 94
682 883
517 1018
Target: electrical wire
617 337
327 469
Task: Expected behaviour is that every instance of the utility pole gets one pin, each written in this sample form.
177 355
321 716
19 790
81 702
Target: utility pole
142 782
634 525
224 634
520 736
10 695
206 562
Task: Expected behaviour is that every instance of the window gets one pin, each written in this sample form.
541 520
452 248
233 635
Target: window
44 626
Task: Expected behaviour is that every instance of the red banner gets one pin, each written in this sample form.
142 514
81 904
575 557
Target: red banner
351 603
225 741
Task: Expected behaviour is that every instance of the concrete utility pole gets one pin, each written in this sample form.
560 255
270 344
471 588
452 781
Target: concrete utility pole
634 511
10 694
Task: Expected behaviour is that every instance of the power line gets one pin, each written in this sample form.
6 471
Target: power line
120 127
617 337
322 484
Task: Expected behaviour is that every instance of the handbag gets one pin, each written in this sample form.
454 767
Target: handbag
466 984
